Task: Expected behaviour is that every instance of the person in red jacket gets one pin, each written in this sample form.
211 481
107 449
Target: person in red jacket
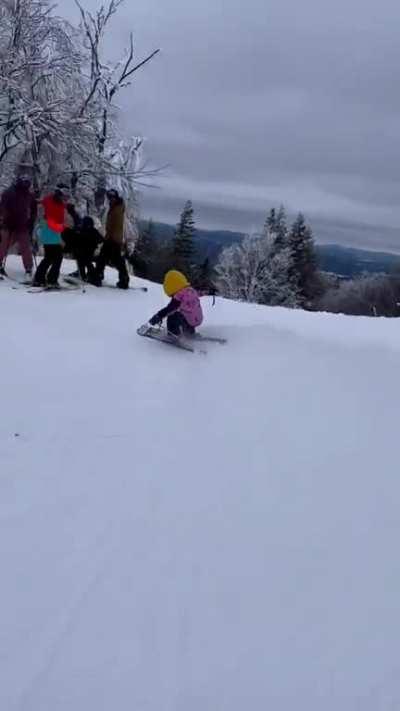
18 210
55 215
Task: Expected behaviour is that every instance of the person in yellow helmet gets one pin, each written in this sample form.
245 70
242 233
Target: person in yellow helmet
183 313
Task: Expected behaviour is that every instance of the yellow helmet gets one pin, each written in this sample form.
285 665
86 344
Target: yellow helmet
173 282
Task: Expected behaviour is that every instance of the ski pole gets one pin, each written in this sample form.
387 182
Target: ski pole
3 265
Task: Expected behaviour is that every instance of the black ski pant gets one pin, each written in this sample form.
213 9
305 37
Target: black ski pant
111 253
86 268
48 270
178 326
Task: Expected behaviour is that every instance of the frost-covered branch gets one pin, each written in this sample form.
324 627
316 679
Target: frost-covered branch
58 120
104 82
252 271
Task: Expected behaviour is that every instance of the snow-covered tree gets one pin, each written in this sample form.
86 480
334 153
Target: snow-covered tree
58 116
368 295
280 289
183 245
40 78
250 271
109 164
240 270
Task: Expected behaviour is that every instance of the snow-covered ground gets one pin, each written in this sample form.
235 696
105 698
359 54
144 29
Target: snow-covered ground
188 533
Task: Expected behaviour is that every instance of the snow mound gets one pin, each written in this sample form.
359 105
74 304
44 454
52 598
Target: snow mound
184 533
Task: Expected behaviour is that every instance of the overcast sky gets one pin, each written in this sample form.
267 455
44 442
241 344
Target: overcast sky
258 102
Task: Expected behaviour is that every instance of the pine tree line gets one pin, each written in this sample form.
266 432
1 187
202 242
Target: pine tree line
276 267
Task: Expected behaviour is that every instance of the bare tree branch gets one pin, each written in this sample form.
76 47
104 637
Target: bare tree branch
57 115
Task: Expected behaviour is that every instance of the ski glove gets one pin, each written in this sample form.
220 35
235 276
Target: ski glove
155 320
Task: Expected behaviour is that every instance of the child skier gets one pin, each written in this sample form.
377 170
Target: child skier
184 312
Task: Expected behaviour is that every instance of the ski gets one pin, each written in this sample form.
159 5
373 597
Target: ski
21 286
42 289
73 287
14 280
32 289
74 281
158 334
144 289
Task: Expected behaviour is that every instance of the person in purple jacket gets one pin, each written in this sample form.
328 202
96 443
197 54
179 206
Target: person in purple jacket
184 313
18 212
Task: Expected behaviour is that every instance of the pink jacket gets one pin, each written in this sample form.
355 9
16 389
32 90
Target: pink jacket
190 306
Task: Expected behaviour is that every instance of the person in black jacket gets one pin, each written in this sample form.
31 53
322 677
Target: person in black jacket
82 242
87 241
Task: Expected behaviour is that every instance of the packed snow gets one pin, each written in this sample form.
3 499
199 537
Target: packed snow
187 533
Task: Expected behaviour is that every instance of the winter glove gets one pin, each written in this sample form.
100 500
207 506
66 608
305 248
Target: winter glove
155 321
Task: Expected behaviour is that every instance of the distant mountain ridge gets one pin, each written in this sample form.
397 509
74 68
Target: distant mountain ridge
349 261
208 242
344 261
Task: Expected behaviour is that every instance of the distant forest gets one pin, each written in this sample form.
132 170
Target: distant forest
346 262
281 265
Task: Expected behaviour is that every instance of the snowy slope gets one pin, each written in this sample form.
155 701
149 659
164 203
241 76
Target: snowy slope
187 533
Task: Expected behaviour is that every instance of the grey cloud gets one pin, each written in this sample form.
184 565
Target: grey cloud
257 102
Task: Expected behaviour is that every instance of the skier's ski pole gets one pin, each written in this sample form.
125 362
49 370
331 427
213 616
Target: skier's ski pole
3 265
33 248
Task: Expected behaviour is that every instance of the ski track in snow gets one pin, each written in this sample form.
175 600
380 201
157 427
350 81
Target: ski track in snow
196 533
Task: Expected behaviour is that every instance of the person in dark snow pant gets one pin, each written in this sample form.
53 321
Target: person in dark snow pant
184 313
111 251
88 240
82 242
50 234
18 211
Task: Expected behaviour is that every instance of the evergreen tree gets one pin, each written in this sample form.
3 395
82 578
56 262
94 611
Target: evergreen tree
203 278
146 243
145 250
276 229
183 245
303 269
281 230
164 261
270 222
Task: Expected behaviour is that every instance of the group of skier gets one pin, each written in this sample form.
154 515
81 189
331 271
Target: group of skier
21 214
